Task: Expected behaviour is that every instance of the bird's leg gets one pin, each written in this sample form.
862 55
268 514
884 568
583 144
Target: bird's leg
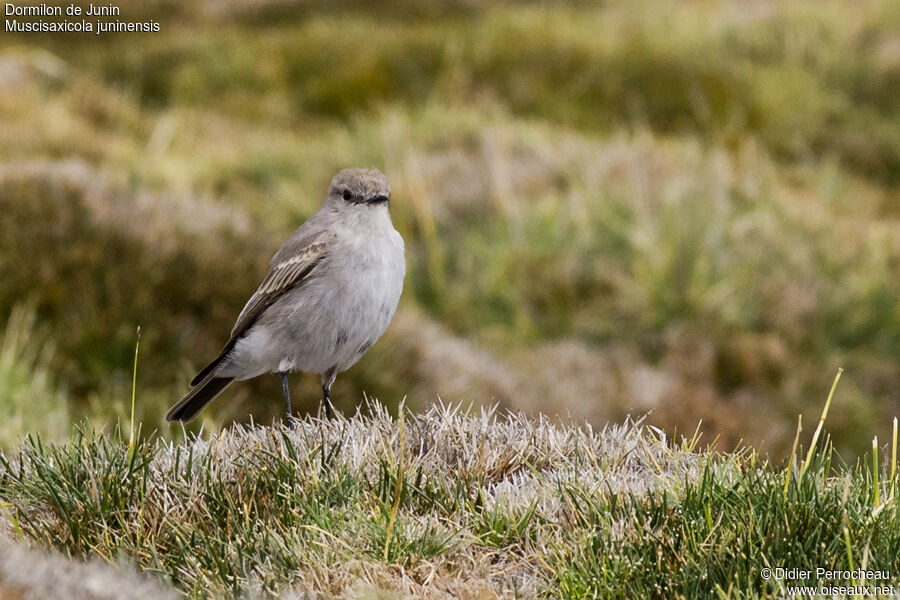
287 398
327 381
326 400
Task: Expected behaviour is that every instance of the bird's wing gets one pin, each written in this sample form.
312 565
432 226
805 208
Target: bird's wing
282 276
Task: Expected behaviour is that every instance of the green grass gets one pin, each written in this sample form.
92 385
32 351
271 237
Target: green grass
29 398
687 208
458 503
681 208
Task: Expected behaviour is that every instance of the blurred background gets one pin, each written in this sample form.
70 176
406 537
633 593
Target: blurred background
682 208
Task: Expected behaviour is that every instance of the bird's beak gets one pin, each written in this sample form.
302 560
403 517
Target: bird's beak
378 200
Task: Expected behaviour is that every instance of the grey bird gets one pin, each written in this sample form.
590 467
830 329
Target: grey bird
330 292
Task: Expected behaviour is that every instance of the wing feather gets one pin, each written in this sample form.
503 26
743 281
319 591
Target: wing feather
282 277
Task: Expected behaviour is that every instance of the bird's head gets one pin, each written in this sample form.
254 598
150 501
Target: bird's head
361 187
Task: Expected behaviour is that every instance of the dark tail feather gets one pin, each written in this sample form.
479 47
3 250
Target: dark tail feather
188 407
214 365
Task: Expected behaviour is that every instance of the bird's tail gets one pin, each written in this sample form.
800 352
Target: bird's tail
201 395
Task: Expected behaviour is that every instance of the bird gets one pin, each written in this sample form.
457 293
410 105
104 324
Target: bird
330 292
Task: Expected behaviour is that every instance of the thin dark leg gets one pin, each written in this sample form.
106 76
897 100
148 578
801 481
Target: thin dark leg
327 381
326 400
287 397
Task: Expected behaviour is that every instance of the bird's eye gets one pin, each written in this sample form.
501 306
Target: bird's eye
347 194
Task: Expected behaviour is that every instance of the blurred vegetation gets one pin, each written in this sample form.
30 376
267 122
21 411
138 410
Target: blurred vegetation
682 207
28 400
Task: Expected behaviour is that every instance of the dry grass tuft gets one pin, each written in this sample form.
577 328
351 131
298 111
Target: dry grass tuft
447 503
444 504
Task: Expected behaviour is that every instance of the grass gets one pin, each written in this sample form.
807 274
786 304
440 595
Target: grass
685 208
450 503
29 397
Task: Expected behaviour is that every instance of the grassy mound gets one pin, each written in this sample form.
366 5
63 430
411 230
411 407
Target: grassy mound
450 504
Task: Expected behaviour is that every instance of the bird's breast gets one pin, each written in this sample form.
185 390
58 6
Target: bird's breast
357 291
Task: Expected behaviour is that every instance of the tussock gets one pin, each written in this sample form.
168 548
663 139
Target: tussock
312 506
449 503
478 444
